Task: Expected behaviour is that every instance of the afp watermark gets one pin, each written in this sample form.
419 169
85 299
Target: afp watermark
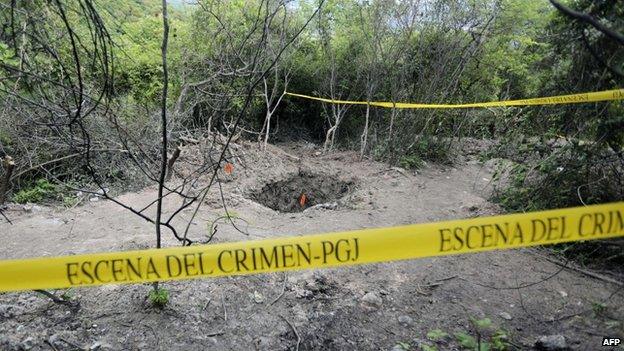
611 341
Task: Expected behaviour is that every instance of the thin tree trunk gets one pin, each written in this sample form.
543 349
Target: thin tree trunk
392 117
364 137
268 129
163 123
329 136
171 161
8 165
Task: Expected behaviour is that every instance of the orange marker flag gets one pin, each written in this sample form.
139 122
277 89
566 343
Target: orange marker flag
228 168
303 199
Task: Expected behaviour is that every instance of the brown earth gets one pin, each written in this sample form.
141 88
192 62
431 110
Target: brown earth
369 307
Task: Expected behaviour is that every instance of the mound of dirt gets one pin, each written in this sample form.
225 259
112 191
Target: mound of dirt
301 191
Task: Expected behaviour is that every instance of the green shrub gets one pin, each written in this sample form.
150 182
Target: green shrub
41 190
410 161
159 297
412 154
70 201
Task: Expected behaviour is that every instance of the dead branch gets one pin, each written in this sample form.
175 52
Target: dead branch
294 331
283 290
57 300
583 17
47 163
581 270
224 309
170 163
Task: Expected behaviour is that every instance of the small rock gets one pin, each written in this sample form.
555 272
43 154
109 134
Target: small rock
101 346
406 320
505 315
27 343
6 311
257 297
372 300
9 343
302 293
325 206
263 343
31 208
551 343
417 343
102 191
55 340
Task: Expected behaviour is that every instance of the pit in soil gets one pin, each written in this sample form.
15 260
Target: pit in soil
301 191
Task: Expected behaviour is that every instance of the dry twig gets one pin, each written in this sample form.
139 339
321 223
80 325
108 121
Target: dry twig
294 331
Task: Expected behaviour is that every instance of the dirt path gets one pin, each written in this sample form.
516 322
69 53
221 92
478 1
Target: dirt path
371 307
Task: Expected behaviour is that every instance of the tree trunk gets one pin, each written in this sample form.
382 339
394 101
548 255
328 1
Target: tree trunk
364 137
170 163
329 137
268 129
8 165
163 123
392 117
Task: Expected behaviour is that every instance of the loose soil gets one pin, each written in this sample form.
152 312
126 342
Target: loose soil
302 191
368 307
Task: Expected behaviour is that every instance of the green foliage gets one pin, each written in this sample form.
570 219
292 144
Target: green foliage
563 177
159 297
486 337
39 191
598 308
67 294
466 341
417 153
402 346
7 57
70 201
436 334
482 324
500 340
5 138
411 161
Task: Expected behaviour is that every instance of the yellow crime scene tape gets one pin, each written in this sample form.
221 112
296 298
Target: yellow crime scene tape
317 251
607 95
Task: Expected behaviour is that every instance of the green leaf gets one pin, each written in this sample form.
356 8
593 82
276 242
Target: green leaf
426 347
466 341
436 335
484 323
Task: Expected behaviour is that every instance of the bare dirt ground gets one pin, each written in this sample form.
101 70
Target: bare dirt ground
369 307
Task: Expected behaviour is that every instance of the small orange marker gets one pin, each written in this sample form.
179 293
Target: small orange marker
303 199
228 168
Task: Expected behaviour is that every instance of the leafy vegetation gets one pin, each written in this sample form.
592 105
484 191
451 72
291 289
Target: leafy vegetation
159 297
36 193
484 337
83 98
388 51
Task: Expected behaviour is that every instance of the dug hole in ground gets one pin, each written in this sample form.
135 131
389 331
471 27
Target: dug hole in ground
516 299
